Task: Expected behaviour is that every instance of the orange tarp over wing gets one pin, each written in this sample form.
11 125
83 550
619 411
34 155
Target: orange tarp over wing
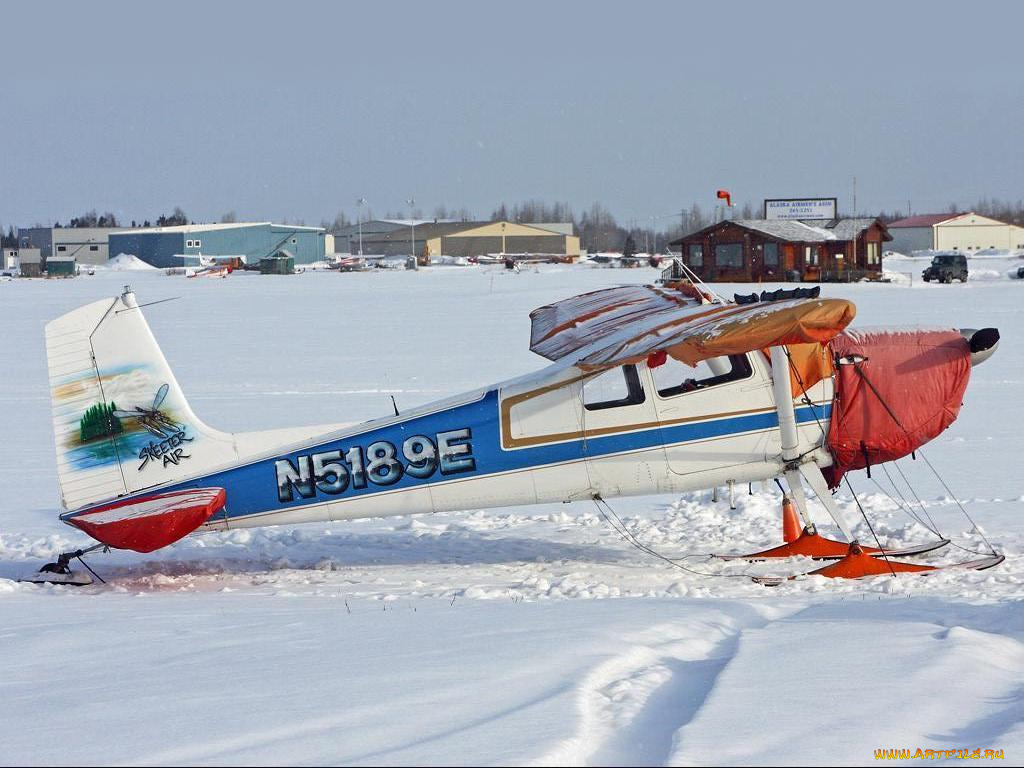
733 330
809 364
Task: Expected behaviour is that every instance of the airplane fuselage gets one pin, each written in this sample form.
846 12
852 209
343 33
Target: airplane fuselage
530 440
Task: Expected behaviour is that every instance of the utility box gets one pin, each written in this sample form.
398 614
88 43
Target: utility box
60 266
277 265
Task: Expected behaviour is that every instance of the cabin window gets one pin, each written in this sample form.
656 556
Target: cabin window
198 243
612 389
676 378
62 248
811 255
729 255
94 247
771 254
696 255
873 253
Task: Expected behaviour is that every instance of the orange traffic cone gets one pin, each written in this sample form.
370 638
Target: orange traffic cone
791 527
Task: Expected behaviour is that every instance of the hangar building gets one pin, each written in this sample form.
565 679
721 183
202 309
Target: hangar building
475 238
347 240
165 246
967 232
87 245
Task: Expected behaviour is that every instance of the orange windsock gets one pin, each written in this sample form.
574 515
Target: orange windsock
723 194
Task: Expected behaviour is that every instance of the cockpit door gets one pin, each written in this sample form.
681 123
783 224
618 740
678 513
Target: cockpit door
717 414
621 433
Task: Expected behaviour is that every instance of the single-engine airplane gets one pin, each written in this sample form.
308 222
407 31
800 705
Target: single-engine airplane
650 389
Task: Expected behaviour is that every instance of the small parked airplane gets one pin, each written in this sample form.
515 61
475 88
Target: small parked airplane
651 389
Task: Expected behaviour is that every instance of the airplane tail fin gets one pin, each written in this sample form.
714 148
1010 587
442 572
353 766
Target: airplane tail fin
121 423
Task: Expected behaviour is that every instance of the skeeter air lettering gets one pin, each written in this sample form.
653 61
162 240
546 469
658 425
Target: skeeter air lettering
380 463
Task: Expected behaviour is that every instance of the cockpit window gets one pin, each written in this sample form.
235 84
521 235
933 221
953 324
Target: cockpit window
613 388
676 378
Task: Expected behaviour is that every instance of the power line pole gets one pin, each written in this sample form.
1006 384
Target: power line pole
359 215
412 226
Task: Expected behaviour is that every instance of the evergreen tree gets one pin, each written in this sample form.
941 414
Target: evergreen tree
630 247
99 421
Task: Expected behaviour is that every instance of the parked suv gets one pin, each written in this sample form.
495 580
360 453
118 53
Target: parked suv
947 267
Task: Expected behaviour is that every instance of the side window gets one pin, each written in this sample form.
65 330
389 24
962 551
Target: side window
613 388
676 378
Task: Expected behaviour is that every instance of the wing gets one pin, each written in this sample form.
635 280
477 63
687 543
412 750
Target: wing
621 325
160 395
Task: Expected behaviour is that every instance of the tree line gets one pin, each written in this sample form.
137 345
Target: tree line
597 226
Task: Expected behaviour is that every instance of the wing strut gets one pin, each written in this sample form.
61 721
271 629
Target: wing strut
783 391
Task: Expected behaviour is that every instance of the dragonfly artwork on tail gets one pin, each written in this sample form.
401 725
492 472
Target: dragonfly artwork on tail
152 418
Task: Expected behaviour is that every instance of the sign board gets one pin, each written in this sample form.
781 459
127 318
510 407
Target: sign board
801 208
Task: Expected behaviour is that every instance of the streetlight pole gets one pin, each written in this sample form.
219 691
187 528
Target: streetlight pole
412 226
359 215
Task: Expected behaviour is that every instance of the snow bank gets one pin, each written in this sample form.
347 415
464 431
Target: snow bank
899 278
126 262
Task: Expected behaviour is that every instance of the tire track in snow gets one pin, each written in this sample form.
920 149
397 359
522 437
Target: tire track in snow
632 706
846 678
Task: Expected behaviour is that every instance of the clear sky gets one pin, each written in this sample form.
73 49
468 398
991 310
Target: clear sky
295 109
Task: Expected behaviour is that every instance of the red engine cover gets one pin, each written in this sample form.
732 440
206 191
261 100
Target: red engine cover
920 375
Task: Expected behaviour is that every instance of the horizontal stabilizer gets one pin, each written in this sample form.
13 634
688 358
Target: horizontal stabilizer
149 522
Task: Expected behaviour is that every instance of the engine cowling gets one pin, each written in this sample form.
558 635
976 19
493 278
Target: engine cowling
896 390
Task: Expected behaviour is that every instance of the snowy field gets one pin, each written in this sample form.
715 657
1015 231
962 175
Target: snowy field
521 635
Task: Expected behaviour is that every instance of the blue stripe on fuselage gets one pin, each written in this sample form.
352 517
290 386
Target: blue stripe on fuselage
252 488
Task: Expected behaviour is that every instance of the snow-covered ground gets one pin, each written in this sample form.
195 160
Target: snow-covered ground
906 269
522 635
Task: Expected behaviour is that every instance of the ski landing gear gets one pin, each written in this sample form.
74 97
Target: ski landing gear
853 560
807 542
60 572
857 565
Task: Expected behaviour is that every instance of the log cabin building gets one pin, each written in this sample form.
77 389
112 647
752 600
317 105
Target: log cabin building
773 250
